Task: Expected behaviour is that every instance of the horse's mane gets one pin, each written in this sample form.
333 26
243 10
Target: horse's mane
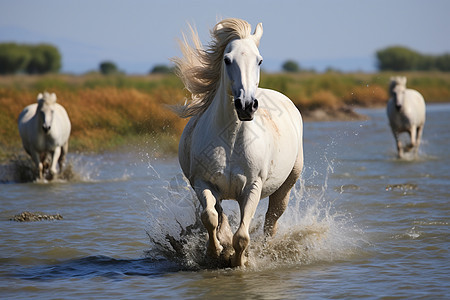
46 98
200 69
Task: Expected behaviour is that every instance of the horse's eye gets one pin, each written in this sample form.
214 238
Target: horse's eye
260 62
227 60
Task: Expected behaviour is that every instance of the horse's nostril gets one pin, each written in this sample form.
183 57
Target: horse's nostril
238 104
255 104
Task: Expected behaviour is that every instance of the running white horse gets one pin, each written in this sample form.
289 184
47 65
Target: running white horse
45 128
406 113
242 142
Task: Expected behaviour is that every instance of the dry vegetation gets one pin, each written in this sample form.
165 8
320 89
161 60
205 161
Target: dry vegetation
109 111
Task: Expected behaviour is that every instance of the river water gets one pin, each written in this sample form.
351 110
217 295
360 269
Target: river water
361 224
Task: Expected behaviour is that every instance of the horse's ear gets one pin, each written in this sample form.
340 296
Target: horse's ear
40 96
403 80
53 97
258 33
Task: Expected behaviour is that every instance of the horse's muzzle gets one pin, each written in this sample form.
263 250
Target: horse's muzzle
246 110
46 128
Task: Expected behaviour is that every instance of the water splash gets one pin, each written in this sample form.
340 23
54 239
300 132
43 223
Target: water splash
21 169
310 230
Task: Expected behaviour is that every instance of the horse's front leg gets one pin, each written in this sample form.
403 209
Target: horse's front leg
247 203
210 219
36 157
399 145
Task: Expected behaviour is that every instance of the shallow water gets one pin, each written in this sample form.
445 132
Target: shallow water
361 224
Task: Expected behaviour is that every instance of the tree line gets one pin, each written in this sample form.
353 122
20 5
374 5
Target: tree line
400 58
31 59
396 58
46 58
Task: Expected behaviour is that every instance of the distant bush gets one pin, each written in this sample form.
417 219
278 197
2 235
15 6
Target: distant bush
31 59
404 59
108 67
370 95
291 66
161 69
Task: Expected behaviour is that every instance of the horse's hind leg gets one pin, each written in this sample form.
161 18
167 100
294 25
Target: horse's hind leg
224 234
413 135
279 200
418 139
55 159
62 157
210 219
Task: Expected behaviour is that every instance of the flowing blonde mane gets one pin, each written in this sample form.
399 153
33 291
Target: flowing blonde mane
200 69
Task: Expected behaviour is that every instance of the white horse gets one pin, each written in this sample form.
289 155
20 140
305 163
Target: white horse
242 142
45 128
406 113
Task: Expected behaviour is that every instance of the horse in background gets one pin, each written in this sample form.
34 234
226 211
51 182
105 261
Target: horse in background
242 142
406 113
44 128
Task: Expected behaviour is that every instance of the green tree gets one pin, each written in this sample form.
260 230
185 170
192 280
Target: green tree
291 66
443 62
398 58
13 58
44 58
108 67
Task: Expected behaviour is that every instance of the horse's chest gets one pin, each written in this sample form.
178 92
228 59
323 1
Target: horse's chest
227 168
45 142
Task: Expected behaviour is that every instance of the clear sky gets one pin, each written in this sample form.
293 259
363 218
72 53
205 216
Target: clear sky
138 34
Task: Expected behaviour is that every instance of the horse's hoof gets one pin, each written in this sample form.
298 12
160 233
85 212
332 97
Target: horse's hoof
227 253
239 261
214 252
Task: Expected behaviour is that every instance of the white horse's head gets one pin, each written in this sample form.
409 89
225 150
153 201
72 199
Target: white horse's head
46 110
242 64
397 90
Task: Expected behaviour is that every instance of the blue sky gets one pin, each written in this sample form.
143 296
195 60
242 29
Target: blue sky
138 34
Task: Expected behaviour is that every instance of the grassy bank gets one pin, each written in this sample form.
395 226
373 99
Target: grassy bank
110 111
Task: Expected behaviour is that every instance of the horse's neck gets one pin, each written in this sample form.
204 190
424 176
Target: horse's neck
223 117
222 110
